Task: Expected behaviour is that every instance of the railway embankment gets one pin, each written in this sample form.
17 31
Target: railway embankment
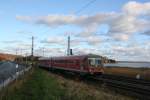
43 85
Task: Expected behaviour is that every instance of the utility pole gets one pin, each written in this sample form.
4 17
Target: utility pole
43 49
32 50
26 56
17 55
16 51
32 46
21 51
68 49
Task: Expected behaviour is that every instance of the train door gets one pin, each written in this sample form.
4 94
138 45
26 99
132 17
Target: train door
82 65
50 63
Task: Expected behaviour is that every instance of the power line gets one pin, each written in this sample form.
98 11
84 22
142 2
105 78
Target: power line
85 6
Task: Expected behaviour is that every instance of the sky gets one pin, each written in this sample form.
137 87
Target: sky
117 29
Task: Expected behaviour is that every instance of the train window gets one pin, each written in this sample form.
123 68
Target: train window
97 62
94 62
91 62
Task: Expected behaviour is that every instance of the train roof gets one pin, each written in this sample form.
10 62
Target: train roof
73 57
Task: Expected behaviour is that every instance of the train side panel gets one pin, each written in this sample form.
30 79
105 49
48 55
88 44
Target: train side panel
78 64
69 64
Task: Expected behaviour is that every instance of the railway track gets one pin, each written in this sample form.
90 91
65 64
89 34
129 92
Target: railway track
138 87
135 87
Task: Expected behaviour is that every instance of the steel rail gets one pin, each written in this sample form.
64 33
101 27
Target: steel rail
125 78
139 87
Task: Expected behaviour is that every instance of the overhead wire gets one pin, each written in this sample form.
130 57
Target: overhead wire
85 6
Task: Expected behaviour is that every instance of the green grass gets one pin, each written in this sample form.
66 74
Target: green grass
39 84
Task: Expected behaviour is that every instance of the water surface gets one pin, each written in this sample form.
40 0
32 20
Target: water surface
129 64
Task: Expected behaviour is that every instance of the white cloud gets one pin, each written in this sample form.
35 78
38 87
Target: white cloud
132 52
147 32
25 32
12 41
50 52
55 20
2 51
24 18
119 23
23 46
54 40
136 8
58 20
19 48
93 40
88 24
123 23
84 50
62 41
133 18
120 37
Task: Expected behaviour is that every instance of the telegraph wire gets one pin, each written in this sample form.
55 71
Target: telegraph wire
85 6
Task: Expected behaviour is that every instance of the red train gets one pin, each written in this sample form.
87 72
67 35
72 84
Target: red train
83 64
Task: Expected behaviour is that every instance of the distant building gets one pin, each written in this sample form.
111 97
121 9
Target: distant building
107 60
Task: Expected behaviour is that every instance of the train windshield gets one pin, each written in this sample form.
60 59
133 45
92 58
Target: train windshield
95 62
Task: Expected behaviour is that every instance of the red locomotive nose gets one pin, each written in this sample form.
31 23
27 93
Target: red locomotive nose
93 70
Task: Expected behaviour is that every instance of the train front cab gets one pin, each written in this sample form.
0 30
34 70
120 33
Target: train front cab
95 66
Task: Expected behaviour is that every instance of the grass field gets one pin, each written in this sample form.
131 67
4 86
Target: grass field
42 85
131 72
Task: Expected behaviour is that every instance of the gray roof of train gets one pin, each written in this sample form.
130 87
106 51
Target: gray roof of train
87 55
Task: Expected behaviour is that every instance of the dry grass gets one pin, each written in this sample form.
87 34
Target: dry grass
77 90
131 72
42 85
